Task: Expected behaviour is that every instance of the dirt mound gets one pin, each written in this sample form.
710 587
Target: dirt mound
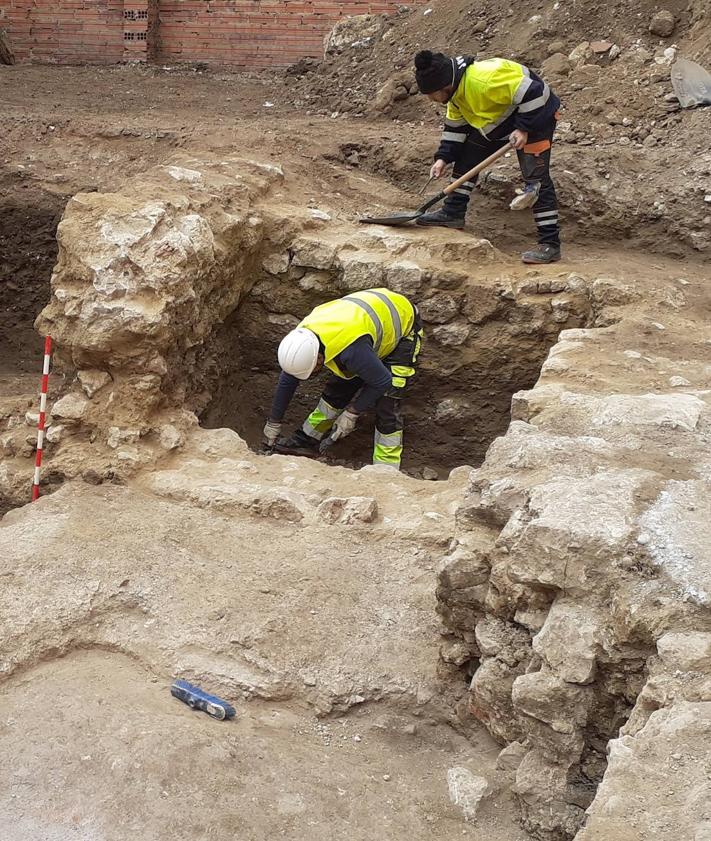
357 78
643 171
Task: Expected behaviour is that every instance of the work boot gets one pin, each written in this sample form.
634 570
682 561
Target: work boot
442 218
298 441
542 254
527 197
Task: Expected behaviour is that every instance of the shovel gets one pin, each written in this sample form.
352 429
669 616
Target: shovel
404 218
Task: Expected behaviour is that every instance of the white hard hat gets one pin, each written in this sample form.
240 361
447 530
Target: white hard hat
298 353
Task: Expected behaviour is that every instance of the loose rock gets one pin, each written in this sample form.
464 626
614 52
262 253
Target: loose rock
663 24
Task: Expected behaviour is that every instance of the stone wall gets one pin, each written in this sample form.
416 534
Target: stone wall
579 586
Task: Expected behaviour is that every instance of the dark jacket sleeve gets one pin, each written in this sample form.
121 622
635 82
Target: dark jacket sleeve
536 111
454 134
285 389
360 359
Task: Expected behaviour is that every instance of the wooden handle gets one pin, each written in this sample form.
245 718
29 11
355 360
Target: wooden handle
474 171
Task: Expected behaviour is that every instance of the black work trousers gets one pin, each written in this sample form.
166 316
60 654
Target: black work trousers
338 393
534 161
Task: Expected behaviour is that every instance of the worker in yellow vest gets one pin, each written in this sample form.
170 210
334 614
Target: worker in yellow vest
489 104
369 341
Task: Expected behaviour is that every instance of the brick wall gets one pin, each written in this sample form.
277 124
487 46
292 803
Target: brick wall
246 33
253 33
64 31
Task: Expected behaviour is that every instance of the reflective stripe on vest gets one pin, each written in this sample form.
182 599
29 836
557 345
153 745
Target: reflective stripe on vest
377 323
518 96
379 313
489 93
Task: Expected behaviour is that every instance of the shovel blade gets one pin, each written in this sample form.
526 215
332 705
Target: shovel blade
403 218
395 219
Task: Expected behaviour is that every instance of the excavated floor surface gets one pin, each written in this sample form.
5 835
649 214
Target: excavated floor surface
114 756
331 618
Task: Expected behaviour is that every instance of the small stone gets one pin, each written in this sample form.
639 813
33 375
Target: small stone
348 510
92 380
556 65
555 47
313 254
689 651
451 335
170 437
386 777
678 382
357 738
117 436
581 53
71 407
54 434
511 757
276 263
451 408
600 47
662 24
429 474
9 447
361 270
438 309
404 277
466 790
614 51
321 215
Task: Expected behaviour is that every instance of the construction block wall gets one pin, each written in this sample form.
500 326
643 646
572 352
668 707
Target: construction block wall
246 33
64 31
253 33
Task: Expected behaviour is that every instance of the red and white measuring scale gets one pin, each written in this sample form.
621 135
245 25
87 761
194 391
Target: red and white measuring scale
42 415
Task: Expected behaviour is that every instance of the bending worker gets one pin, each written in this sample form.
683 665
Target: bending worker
369 341
491 103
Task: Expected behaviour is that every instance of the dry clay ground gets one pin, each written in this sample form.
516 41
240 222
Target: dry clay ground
153 581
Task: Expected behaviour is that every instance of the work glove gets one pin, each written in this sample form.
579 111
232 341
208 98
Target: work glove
344 425
271 432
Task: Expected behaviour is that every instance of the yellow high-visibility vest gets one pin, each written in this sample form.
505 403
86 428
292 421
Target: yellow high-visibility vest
383 315
489 92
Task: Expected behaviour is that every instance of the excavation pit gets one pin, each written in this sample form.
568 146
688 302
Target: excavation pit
28 252
486 338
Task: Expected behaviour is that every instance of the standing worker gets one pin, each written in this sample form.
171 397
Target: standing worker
369 341
491 103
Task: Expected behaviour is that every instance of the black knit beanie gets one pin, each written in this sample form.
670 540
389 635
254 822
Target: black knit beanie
433 71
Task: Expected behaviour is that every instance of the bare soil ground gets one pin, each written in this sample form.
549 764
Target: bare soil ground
88 128
111 755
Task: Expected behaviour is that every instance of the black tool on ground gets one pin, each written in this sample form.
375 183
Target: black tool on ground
404 218
198 699
326 445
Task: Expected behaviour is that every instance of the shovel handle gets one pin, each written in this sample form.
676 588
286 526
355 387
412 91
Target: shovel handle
474 171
